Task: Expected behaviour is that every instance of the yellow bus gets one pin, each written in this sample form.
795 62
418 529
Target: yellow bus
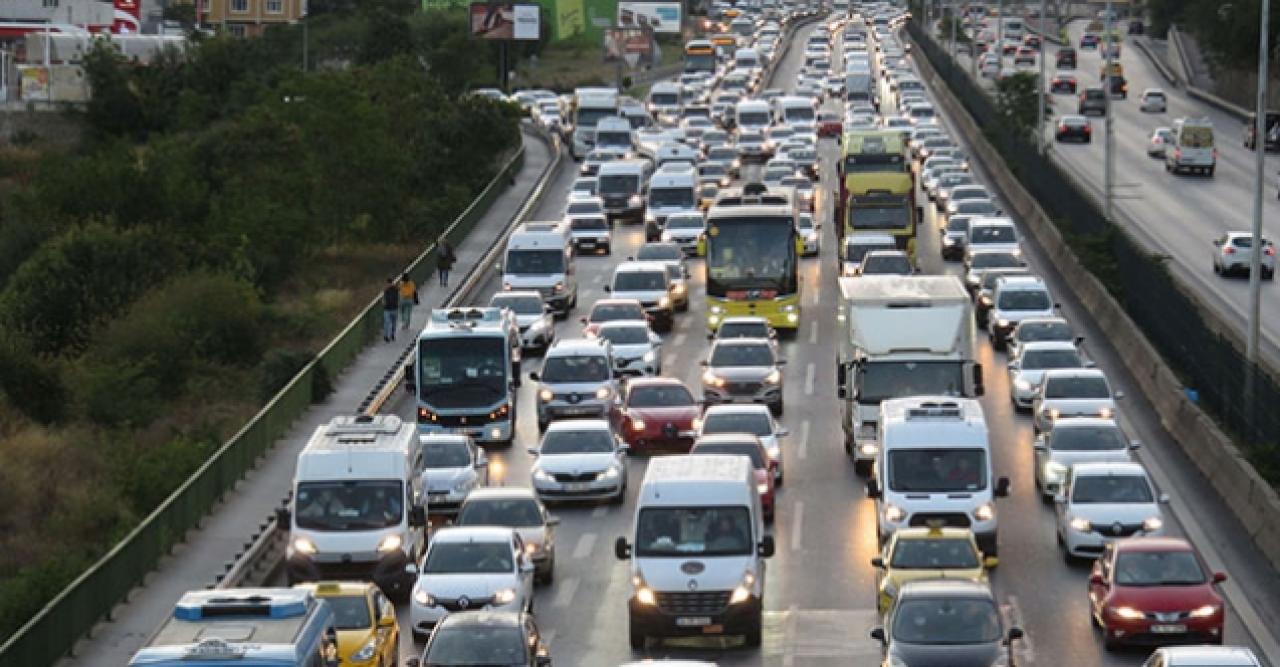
752 256
877 191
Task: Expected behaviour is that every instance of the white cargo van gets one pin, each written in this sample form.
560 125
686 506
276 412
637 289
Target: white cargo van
1192 148
665 99
752 115
697 551
540 257
747 60
935 467
621 185
355 511
672 189
798 112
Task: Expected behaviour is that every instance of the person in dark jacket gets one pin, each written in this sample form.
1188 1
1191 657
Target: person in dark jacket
445 261
390 309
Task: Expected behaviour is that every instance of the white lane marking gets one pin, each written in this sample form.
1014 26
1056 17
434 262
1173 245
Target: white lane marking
817 297
678 339
599 511
813 334
809 372
802 450
564 592
789 632
585 544
796 522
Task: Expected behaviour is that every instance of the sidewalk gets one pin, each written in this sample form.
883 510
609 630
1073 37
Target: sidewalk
195 563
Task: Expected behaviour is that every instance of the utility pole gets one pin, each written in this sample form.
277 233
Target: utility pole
1255 256
998 47
1109 161
1040 142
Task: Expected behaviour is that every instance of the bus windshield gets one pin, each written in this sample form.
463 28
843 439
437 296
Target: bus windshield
880 213
462 372
751 253
700 62
874 162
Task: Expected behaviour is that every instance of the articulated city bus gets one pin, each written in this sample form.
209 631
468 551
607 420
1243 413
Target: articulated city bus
751 250
877 193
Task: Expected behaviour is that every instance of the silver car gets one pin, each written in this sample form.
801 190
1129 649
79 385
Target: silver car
1161 138
636 349
581 459
1076 392
534 317
1034 329
753 419
577 380
452 467
520 509
1078 440
685 230
1232 253
743 370
1026 371
811 233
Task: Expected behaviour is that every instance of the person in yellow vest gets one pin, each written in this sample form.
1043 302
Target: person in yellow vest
408 299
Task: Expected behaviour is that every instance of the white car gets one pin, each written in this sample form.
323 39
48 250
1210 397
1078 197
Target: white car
685 230
753 419
479 567
534 317
580 459
1194 656
1154 100
1077 440
452 467
1161 138
811 233
591 233
1027 369
1103 502
1078 392
518 509
636 349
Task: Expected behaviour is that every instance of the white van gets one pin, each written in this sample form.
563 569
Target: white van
621 185
355 510
747 60
698 550
798 112
664 101
540 257
672 189
935 467
752 115
1192 148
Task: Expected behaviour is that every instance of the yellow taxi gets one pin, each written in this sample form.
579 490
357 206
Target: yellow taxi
927 553
368 634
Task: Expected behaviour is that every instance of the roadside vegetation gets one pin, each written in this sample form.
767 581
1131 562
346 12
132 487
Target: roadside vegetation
225 214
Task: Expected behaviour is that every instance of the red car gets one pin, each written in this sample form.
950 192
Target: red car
608 310
656 414
829 124
1064 83
1032 41
743 444
1155 591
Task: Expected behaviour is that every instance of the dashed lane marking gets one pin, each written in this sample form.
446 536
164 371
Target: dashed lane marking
585 544
802 450
796 523
809 373
565 589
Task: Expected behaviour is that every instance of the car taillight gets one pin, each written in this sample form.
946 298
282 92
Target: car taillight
1177 153
1269 251
1088 129
1228 250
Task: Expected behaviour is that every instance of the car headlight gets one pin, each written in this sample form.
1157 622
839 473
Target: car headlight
1205 611
1106 413
743 591
634 201
849 270
717 310
710 378
893 513
666 236
559 287
649 357
610 473
985 512
304 546
774 377
389 543
1053 414
542 475
664 302
637 425
1081 525
789 308
366 652
423 598
603 393
531 548
504 596
644 594
1054 472
1128 613
1022 385
1002 323
546 395
1153 524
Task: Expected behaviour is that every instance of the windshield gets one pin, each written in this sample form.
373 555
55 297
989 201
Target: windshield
588 117
874 162
888 214
637 335
751 253
348 505
986 233
566 369
583 207
671 197
958 224
508 512
1077 387
462 372
592 224
672 396
995 260
754 423
619 185
741 355
586 441
1197 137
664 99
446 454
933 553
722 154
1047 331
886 265
895 379
475 644
699 62
534 262
587 185
350 612
520 305
946 621
1091 489
1046 359
681 532
747 449
753 118
1024 300
1070 438
637 281
937 470
1158 568
469 558
613 139
801 114
620 311
684 223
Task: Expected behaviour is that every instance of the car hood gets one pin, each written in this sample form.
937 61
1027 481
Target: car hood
575 464
1077 407
720 573
743 373
964 655
681 415
1164 598
586 390
523 321
1103 515
470 585
629 352
443 479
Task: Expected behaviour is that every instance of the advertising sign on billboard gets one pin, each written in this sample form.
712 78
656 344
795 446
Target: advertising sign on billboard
504 20
661 17
619 42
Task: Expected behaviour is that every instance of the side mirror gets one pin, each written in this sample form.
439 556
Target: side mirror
1219 577
990 562
411 568
1039 445
553 521
703 363
978 387
1015 633
583 320
780 362
1135 445
782 431
1002 487
873 488
608 289
621 550
387 620
1014 365
542 661
1164 499
1119 395
418 516
482 461
497 266
1095 579
527 566
533 376
284 518
766 547
877 562
878 634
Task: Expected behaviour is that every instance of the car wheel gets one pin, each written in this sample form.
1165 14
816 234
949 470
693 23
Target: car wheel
1217 269
1268 274
776 409
1209 171
638 640
608 250
752 637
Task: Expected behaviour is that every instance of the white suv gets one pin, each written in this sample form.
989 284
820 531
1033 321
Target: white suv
1016 299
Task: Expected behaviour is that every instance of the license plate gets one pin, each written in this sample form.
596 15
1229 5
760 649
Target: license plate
587 244
576 487
578 411
713 629
693 621
1169 629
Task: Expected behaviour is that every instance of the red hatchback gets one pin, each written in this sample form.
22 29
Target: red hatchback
1155 591
744 444
608 310
657 414
829 124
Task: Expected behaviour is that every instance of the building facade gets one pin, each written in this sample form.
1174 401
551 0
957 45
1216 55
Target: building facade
249 18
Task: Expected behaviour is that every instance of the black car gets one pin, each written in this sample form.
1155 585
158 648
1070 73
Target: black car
1092 99
1074 128
1066 58
497 638
1118 86
946 622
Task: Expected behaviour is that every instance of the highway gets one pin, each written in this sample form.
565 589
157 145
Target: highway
820 600
1175 215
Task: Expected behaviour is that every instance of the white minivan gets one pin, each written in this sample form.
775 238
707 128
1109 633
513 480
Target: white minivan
935 468
1192 149
697 551
540 257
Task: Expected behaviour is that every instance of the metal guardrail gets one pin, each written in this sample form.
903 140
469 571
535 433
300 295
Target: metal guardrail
53 631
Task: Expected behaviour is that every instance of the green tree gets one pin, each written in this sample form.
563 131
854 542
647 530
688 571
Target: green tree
1016 101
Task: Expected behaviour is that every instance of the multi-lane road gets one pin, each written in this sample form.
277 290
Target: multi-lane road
820 601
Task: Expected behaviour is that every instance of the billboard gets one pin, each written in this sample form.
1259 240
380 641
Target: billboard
504 20
618 42
661 17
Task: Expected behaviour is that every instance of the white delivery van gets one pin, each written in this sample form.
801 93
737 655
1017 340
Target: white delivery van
540 257
621 185
590 105
752 115
935 467
664 101
672 189
1192 148
697 550
747 60
798 112
355 511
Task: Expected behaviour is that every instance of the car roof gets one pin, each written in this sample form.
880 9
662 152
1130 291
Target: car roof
457 534
1043 320
578 425
616 302
484 617
1147 544
1074 373
922 532
736 409
624 324
639 266
571 346
742 341
505 492
1108 468
1084 422
945 588
1048 345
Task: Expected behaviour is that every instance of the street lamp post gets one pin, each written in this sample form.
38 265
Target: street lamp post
1109 162
998 47
1040 142
1255 257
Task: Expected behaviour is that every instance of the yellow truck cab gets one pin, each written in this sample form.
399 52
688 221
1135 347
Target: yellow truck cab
935 552
368 633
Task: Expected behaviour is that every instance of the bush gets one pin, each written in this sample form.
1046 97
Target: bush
32 384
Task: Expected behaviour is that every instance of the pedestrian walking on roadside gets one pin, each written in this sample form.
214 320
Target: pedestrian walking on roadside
445 261
390 307
408 299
